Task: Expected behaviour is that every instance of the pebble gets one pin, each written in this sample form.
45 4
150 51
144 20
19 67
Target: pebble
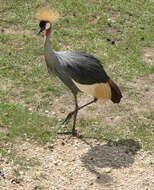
65 168
107 170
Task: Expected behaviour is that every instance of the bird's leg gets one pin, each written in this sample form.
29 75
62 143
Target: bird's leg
69 116
75 116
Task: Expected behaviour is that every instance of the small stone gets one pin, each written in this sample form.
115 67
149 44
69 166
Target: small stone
2 175
15 181
108 39
113 42
107 170
30 109
21 172
6 114
109 24
63 143
51 147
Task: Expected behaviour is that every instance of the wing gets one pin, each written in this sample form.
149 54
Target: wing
83 68
88 75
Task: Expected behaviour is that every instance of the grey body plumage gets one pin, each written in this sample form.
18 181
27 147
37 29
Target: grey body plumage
82 67
73 68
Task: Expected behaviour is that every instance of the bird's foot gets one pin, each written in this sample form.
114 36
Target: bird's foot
65 133
74 132
69 116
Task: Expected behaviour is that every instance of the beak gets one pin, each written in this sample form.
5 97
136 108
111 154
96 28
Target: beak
41 30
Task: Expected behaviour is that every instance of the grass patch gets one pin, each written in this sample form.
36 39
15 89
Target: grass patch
22 123
134 128
114 31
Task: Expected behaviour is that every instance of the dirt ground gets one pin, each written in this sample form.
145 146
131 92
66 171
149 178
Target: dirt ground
72 164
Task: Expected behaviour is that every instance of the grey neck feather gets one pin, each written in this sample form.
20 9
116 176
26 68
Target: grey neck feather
50 56
47 40
54 65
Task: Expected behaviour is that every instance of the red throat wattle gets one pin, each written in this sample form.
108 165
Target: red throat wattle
46 32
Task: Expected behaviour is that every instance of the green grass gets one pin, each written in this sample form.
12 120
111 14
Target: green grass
22 123
134 128
83 26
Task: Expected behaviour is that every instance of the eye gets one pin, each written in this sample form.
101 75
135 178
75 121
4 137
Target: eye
47 26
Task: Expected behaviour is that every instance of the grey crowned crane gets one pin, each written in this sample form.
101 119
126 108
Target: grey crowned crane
79 71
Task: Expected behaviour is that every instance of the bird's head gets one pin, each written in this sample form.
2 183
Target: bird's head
47 16
45 25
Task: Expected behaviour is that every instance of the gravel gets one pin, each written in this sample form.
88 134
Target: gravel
72 164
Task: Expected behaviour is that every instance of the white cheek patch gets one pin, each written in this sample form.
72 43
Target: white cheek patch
47 26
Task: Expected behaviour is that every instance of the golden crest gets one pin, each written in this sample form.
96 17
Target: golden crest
47 14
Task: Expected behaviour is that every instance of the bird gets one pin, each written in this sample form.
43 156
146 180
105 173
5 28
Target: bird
79 71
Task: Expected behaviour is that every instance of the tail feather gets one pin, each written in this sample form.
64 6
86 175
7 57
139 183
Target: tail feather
115 92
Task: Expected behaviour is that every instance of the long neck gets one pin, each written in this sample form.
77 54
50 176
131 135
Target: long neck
49 53
47 43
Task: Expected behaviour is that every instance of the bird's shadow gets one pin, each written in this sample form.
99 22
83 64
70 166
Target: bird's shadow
112 155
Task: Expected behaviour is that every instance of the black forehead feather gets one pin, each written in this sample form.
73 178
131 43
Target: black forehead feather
42 24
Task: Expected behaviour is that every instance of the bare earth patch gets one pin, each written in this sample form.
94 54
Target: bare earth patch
138 97
15 30
122 157
148 55
72 164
